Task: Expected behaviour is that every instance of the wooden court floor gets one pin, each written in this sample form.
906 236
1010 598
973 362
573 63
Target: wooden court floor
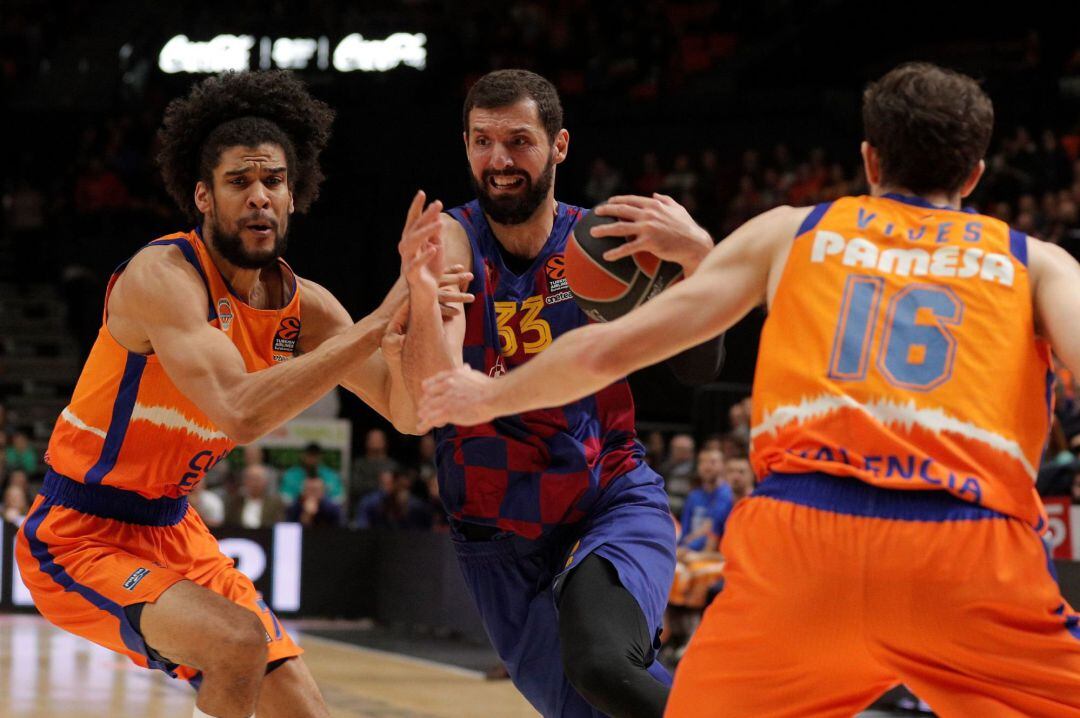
46 673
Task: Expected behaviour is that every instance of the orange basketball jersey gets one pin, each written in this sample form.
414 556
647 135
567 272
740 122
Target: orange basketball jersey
900 349
129 427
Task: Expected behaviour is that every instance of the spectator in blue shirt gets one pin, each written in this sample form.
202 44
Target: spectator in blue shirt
740 479
311 464
712 498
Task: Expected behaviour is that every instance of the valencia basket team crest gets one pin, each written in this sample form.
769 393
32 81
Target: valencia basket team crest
225 313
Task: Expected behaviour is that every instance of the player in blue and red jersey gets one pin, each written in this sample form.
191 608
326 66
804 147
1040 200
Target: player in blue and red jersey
562 531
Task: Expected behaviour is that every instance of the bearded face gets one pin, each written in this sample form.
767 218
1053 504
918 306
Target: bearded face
512 160
511 196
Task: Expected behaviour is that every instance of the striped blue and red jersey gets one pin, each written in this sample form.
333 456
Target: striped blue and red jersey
530 472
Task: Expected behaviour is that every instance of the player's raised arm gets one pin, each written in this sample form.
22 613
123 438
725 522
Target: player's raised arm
1055 282
734 278
163 299
433 342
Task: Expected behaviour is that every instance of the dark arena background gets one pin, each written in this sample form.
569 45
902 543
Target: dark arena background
730 108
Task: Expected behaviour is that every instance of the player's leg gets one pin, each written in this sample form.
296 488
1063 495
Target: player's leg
607 646
193 626
612 596
507 579
288 688
979 626
91 576
289 691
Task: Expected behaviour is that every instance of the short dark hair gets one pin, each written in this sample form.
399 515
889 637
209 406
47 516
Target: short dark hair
245 109
503 88
930 126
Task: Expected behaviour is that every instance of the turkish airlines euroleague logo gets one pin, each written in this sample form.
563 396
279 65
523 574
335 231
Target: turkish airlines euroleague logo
558 288
556 268
287 334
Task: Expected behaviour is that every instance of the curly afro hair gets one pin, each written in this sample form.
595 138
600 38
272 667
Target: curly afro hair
248 109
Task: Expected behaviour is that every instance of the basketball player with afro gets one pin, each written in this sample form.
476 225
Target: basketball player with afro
208 340
561 529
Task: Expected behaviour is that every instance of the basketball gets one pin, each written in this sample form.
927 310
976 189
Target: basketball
607 290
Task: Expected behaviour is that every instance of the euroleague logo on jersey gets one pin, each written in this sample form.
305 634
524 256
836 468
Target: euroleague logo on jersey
558 287
287 334
225 313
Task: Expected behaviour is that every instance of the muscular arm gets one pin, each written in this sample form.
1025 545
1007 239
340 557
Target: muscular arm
161 302
325 317
732 280
1055 278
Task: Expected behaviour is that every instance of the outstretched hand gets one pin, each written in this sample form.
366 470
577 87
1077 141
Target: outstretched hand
422 253
460 396
421 246
658 225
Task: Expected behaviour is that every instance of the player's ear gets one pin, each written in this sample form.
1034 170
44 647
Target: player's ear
973 179
202 197
292 204
562 145
871 163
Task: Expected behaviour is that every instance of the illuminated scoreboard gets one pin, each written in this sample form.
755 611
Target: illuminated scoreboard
246 52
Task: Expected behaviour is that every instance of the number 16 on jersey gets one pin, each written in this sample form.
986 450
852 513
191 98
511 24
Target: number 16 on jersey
916 349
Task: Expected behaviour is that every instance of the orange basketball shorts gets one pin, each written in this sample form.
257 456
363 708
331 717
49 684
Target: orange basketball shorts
836 590
86 553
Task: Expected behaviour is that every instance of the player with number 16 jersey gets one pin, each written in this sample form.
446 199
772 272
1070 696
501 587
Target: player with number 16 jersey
911 300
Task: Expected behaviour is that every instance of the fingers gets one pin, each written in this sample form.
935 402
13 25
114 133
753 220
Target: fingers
423 236
457 279
452 295
433 211
414 207
616 229
625 250
420 225
621 211
630 199
428 218
433 409
412 265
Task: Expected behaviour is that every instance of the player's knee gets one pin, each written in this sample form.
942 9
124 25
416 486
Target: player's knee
243 644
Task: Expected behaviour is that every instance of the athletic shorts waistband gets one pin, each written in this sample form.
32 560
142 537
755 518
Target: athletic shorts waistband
851 496
109 502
